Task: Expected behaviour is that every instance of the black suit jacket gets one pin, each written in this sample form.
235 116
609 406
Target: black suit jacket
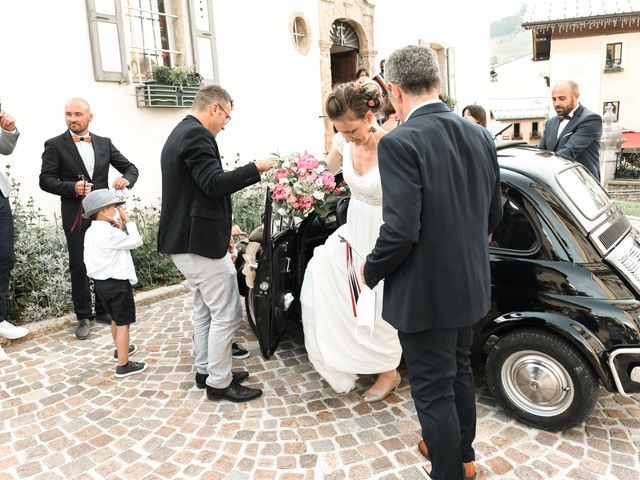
196 192
579 140
441 199
62 167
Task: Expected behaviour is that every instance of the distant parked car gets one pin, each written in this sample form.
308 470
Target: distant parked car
565 311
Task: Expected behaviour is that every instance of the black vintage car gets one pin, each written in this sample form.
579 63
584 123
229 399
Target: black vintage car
565 311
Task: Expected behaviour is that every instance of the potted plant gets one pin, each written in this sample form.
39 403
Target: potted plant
169 87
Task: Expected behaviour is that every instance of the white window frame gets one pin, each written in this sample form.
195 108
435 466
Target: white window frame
96 20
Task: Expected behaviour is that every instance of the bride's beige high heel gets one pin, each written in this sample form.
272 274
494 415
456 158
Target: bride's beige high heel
368 397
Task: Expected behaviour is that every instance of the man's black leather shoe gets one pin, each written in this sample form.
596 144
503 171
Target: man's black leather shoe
234 392
201 378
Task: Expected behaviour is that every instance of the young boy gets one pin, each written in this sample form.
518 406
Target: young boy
109 263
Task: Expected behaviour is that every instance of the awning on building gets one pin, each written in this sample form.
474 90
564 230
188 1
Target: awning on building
631 142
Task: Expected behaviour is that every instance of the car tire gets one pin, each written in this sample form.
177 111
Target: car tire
541 379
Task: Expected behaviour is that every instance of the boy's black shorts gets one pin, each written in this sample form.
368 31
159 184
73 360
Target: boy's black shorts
116 297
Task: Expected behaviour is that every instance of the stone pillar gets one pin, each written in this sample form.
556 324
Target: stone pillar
609 145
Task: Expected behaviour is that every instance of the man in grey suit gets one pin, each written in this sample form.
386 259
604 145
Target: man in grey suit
8 139
575 133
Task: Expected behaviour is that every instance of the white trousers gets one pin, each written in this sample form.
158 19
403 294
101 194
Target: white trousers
217 313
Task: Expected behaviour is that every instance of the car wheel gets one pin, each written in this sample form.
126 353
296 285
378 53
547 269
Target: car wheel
251 311
541 379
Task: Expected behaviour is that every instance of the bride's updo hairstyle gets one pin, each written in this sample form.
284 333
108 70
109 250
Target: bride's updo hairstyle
359 97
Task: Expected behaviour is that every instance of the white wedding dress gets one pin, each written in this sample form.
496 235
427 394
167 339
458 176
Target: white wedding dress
337 348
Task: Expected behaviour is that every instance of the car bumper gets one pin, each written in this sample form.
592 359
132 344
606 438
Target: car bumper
625 369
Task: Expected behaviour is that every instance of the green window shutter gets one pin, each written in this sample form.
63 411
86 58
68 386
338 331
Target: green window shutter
203 38
107 40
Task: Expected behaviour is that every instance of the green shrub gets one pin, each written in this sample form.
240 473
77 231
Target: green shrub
248 206
152 268
40 285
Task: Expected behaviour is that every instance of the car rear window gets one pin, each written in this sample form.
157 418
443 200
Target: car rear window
584 191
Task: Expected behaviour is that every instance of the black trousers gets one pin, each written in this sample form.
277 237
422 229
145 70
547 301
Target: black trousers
439 364
80 290
7 257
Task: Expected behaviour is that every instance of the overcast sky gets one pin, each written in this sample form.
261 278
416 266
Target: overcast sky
503 8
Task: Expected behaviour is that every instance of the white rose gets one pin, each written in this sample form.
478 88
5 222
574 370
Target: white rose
286 164
319 182
282 211
283 180
318 195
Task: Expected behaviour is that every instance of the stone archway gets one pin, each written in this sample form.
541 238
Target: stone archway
358 15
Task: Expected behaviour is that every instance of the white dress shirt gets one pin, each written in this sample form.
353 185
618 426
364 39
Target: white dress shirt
85 149
428 102
565 121
106 251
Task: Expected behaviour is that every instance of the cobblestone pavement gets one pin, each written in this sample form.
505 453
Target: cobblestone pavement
64 415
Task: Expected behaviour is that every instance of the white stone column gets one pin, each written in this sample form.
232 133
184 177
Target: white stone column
609 145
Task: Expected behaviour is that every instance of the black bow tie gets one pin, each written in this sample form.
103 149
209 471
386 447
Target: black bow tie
565 117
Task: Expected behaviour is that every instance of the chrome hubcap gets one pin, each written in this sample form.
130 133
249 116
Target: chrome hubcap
537 383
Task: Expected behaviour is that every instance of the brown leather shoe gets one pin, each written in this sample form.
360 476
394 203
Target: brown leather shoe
469 470
469 467
423 449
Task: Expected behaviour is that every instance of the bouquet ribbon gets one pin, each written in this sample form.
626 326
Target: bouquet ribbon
363 298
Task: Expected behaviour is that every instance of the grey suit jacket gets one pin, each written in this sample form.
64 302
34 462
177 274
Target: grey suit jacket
579 141
8 142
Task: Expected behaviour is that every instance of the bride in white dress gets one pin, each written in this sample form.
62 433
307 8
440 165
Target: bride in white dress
337 347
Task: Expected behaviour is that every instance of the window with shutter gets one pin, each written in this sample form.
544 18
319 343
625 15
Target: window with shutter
203 38
107 40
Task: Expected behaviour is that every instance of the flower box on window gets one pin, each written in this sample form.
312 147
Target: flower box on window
613 68
169 87
152 94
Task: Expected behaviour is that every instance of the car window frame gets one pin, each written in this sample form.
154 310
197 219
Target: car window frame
537 245
573 203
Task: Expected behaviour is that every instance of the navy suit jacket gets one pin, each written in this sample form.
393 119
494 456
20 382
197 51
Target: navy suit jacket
62 167
440 200
579 140
196 193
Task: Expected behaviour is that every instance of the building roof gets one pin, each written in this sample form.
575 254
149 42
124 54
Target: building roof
577 14
520 108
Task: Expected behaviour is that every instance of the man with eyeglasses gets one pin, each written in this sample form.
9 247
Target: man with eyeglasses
195 228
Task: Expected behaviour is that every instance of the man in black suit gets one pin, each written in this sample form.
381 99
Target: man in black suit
73 164
576 131
195 229
441 199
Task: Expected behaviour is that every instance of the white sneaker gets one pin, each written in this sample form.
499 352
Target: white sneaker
10 331
3 356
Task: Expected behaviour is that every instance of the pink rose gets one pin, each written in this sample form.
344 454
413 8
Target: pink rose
280 192
307 203
307 162
281 173
328 180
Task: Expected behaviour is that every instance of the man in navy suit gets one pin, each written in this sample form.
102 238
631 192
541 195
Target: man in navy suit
74 164
575 133
441 199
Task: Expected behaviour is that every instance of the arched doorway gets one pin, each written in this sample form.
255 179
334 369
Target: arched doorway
346 34
344 52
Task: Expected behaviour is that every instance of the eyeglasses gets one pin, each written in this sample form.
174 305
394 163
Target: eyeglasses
228 119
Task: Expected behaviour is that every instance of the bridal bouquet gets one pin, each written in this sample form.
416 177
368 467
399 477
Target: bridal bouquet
300 184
